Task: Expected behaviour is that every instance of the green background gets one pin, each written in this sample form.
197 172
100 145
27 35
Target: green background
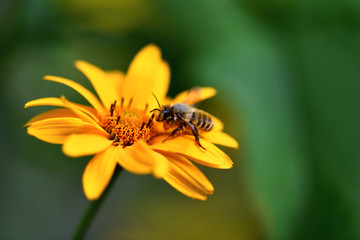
288 81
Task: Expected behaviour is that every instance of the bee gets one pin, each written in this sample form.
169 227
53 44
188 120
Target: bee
184 116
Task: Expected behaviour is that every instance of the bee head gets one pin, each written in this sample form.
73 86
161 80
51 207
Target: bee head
164 114
161 114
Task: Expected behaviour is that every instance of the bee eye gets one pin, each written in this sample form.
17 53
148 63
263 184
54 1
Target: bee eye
161 116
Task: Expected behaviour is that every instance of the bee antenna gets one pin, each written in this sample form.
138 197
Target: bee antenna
155 110
156 99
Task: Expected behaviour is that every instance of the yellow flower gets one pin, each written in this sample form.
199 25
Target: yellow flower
119 129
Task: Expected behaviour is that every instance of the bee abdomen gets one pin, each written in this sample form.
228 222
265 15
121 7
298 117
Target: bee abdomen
202 120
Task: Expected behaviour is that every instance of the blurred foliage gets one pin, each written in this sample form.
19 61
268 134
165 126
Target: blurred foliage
109 16
287 74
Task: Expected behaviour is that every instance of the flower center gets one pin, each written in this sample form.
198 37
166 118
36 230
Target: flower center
126 125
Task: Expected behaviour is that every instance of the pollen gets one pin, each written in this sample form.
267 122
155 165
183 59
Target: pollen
127 125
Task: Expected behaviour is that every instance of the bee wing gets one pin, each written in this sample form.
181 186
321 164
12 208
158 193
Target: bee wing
195 95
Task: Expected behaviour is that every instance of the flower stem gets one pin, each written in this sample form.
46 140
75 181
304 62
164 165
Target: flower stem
94 208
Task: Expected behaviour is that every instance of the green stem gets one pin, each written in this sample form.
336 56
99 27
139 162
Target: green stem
94 208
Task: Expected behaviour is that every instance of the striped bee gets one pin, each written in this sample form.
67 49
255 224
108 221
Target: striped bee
184 116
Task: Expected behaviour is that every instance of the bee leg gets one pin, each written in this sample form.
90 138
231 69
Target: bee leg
173 132
196 134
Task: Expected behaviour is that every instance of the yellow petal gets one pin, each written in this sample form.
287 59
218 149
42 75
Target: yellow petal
218 125
52 101
82 115
147 74
220 138
98 173
55 113
140 156
203 93
57 130
59 120
89 96
49 101
100 81
189 171
185 145
78 145
131 164
117 80
184 188
187 178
